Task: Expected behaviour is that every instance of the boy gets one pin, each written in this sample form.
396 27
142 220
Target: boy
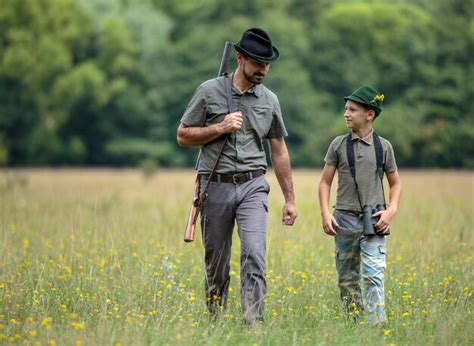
361 220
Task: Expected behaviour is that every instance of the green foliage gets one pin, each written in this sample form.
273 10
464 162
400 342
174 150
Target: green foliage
377 39
78 77
3 152
400 124
38 47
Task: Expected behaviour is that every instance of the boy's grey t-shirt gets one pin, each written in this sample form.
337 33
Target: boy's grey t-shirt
244 150
366 171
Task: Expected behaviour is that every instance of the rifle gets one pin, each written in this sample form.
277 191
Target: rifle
198 197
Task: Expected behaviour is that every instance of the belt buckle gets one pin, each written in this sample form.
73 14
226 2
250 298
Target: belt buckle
236 178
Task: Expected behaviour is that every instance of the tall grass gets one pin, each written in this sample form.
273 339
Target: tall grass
96 257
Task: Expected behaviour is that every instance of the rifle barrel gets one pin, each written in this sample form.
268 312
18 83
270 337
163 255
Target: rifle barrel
225 58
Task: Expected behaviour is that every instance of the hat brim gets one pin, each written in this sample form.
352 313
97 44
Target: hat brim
275 56
362 102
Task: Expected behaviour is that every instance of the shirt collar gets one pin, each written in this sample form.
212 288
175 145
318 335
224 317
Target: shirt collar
256 89
367 139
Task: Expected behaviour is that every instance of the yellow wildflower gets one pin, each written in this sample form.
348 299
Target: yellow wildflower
46 322
379 97
78 325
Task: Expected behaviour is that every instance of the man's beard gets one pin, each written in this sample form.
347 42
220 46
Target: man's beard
256 78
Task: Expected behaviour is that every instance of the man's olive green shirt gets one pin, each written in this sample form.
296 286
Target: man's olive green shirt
370 187
244 150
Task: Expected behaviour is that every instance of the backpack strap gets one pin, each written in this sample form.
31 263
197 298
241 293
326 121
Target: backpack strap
378 154
351 161
350 155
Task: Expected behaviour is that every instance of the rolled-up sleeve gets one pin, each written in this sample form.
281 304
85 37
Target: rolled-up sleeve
390 162
195 113
331 157
277 129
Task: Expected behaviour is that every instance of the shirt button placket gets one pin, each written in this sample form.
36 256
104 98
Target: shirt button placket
237 108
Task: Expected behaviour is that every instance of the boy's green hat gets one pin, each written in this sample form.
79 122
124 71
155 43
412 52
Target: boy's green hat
368 97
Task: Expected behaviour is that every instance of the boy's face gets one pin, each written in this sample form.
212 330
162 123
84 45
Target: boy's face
357 116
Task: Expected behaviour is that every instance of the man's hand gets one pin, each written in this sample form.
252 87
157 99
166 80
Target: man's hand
281 165
329 224
289 214
189 136
232 122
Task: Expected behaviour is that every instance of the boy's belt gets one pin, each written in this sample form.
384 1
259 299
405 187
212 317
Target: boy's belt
238 178
354 212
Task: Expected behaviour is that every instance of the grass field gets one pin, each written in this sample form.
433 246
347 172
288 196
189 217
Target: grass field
96 257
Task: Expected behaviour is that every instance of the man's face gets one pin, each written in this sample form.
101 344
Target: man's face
254 71
357 116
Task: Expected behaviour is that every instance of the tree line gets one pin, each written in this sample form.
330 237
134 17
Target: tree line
105 82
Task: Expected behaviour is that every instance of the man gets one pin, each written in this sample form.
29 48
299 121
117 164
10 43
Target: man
239 190
360 187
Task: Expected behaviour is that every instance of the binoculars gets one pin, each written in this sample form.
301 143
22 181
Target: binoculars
368 220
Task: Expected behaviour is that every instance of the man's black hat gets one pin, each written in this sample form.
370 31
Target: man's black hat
256 44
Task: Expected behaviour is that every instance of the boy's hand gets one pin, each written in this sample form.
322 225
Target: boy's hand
329 224
385 219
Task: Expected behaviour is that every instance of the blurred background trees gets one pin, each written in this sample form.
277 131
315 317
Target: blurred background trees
105 82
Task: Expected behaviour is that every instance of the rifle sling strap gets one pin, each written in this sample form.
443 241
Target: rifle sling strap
230 106
378 156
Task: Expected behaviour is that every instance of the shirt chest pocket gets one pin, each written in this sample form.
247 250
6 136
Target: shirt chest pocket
215 114
260 120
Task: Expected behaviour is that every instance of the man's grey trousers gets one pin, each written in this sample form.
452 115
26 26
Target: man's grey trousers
246 203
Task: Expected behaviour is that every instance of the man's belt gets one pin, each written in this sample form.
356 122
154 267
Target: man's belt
238 178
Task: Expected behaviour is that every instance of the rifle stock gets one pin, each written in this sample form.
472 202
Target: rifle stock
198 200
193 215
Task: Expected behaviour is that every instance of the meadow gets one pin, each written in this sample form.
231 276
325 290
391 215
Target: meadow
96 257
